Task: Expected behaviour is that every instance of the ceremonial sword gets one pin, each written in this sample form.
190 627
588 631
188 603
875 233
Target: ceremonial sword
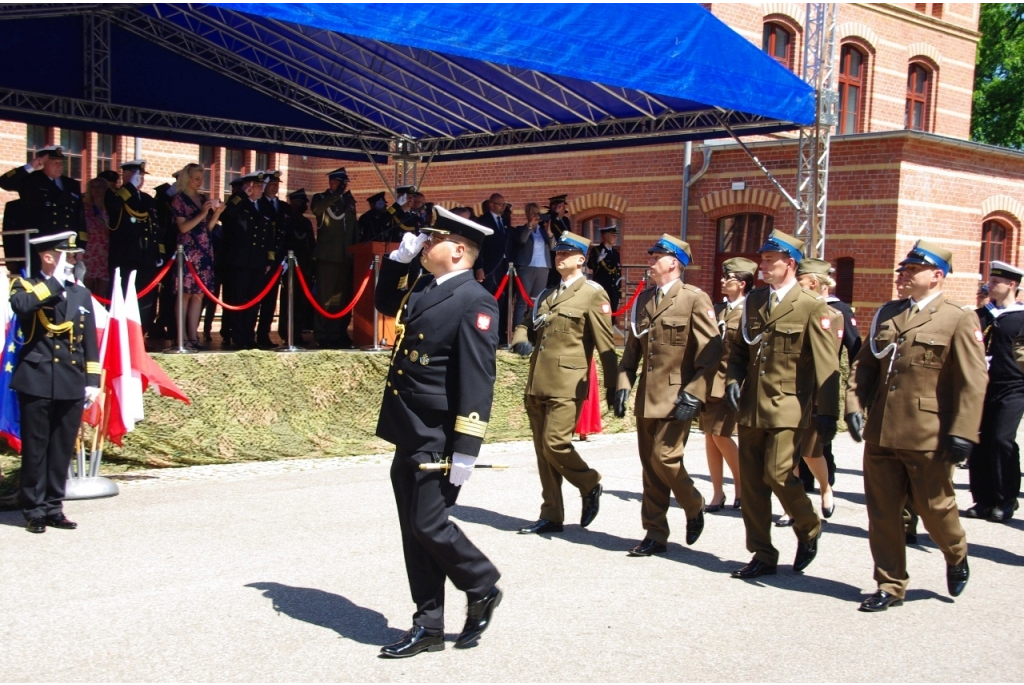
445 464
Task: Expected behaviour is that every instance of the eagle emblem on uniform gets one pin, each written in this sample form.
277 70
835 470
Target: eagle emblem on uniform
979 336
826 323
483 322
606 308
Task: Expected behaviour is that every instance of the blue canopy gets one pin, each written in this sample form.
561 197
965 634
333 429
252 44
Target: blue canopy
348 80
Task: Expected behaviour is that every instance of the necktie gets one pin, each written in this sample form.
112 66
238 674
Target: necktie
658 294
772 301
913 312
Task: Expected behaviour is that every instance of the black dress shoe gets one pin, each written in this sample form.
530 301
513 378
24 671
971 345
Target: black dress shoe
591 505
694 527
647 548
36 525
910 538
805 553
542 526
1003 514
880 601
957 577
754 569
418 639
60 521
478 617
784 521
736 503
978 512
712 508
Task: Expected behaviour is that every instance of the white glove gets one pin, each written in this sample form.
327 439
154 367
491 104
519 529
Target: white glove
402 199
159 263
411 245
63 270
462 468
91 393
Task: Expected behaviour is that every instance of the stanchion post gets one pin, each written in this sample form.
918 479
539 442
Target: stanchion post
291 304
376 347
179 255
28 252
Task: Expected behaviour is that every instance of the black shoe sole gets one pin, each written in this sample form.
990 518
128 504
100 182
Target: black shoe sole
632 553
431 648
767 572
875 610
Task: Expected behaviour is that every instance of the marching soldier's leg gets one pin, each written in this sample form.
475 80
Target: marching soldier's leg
35 437
67 418
670 440
756 495
885 491
1006 476
562 415
426 579
983 465
551 508
781 445
655 502
934 498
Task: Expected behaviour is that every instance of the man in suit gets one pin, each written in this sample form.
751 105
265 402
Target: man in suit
276 214
531 246
787 358
922 379
136 237
605 263
567 324
673 340
436 406
301 241
995 463
335 234
56 373
52 201
492 264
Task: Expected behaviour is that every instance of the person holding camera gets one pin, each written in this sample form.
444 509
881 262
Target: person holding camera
673 339
533 245
492 264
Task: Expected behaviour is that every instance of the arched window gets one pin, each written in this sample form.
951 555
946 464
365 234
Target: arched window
592 227
777 41
851 89
993 242
919 86
739 235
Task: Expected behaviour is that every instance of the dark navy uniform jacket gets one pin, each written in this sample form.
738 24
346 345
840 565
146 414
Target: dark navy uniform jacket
441 382
136 236
60 356
249 241
1000 332
47 207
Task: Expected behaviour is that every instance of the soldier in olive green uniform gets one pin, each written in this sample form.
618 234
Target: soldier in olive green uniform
922 377
673 340
786 358
568 322
336 230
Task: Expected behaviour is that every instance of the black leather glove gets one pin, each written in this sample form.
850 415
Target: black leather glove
523 349
826 428
686 407
732 396
958 449
855 425
621 397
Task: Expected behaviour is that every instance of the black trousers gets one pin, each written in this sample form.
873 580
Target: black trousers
48 429
995 461
535 279
268 307
435 548
240 286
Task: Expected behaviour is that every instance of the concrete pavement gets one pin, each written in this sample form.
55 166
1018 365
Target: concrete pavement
293 571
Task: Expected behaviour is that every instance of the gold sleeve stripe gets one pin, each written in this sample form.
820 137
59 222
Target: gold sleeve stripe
41 290
93 368
124 193
270 256
471 425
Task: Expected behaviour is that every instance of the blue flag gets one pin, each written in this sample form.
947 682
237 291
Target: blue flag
10 413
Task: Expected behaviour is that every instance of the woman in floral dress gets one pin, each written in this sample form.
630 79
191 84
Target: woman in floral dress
97 273
194 215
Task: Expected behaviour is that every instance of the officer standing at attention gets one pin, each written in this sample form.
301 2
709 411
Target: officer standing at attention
921 378
437 403
275 214
787 354
300 240
52 201
136 237
995 463
605 262
377 224
568 322
249 256
335 233
56 373
673 339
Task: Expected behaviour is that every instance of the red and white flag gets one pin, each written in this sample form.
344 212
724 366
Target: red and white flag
92 414
123 387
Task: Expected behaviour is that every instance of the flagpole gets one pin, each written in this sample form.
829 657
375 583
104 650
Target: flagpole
95 456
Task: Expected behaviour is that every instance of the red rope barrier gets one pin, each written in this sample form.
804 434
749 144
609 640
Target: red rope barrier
522 291
316 305
639 289
235 308
145 291
501 287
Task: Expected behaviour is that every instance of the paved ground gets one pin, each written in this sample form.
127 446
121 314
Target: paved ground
293 572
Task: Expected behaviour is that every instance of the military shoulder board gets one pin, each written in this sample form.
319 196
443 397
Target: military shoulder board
236 199
595 285
11 173
124 193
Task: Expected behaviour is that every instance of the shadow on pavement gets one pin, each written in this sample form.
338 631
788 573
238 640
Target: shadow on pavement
801 582
14 519
334 612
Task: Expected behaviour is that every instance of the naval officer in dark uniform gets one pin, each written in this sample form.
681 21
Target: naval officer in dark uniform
437 403
56 372
276 214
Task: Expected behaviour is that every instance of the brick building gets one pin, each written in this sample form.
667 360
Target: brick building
902 166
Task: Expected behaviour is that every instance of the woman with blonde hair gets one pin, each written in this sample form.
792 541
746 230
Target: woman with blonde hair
194 215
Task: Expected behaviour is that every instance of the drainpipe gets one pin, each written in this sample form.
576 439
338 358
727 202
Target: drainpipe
138 147
690 180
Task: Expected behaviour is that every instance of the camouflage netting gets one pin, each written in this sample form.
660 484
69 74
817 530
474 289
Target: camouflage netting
258 406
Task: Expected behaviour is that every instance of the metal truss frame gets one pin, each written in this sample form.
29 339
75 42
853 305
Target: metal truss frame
96 46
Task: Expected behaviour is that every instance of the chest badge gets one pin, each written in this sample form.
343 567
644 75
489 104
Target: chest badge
424 360
928 355
414 355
